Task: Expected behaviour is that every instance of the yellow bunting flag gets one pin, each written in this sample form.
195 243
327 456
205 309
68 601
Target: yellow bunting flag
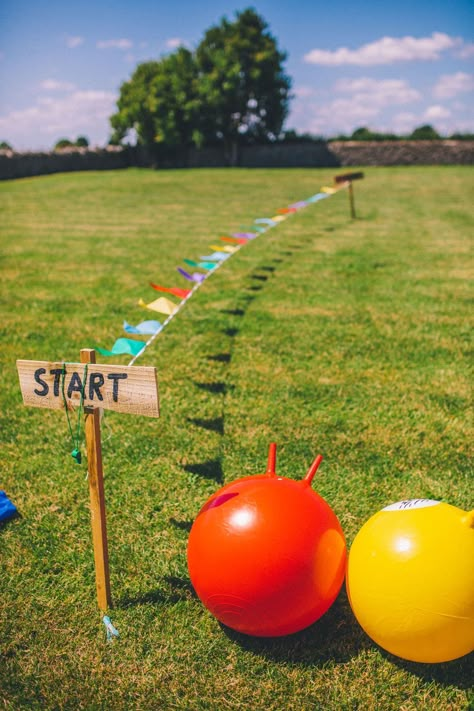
329 191
220 248
162 305
279 218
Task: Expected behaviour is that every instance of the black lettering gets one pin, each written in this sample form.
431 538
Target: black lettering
75 385
96 381
116 377
57 372
45 390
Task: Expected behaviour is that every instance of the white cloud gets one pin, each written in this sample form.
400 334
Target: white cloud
466 51
78 113
386 50
450 85
73 42
175 42
54 85
354 102
115 44
433 113
378 92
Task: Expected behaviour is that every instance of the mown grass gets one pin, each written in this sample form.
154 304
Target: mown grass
349 338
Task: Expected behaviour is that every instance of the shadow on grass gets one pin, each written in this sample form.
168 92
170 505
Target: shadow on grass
216 388
233 312
178 589
231 332
215 424
181 525
459 672
220 357
211 469
334 637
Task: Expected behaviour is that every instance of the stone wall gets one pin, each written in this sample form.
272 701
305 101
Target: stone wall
403 152
318 154
23 165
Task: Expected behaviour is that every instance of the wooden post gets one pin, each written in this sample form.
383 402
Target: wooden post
351 200
128 389
348 178
97 497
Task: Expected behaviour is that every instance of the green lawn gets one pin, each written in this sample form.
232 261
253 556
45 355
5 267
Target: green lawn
326 334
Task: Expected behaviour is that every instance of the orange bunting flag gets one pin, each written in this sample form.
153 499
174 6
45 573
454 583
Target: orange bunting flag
176 291
162 305
235 240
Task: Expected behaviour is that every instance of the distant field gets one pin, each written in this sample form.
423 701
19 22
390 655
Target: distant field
326 334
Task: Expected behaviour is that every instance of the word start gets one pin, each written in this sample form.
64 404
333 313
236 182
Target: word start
90 388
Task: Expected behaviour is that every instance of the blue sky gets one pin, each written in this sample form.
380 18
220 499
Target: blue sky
389 66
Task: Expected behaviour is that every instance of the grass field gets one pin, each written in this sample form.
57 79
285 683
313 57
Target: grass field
326 334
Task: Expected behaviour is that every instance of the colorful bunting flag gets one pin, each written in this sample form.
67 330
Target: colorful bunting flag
122 346
143 328
250 228
317 197
266 221
162 305
176 291
192 277
207 265
234 240
298 205
215 256
229 250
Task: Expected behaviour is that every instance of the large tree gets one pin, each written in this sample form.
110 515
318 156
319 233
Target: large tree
232 89
244 89
161 102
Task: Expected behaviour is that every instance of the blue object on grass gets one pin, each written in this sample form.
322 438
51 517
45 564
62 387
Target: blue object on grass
7 509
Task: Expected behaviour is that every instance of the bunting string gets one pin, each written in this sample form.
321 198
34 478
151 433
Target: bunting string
229 245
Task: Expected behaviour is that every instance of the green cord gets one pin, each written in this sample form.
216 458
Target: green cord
76 438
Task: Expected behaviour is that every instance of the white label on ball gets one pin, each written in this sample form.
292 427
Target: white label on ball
411 504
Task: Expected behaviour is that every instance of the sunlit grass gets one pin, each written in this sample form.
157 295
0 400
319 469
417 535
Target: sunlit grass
345 337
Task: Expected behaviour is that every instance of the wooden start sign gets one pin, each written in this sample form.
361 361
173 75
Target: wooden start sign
348 177
128 389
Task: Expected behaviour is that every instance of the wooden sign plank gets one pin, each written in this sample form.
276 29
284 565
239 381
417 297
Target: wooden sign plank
128 389
348 177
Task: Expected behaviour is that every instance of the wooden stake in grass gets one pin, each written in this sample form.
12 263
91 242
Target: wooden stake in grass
348 178
133 390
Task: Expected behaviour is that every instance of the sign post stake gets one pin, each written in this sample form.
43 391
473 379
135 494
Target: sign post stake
58 385
97 496
348 178
351 200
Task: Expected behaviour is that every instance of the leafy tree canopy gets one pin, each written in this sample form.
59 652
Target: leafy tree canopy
232 86
424 133
244 89
160 102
